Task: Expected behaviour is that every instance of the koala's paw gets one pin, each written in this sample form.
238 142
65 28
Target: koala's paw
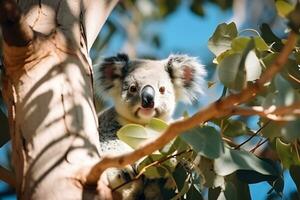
122 183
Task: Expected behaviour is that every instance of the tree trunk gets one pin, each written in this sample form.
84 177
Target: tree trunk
47 87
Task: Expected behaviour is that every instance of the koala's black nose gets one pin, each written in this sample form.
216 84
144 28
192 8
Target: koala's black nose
147 95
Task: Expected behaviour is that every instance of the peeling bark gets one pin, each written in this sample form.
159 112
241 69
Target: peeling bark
47 87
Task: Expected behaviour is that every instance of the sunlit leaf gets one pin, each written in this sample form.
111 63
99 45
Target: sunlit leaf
252 66
201 140
283 7
157 171
233 160
157 125
134 135
287 154
222 37
233 128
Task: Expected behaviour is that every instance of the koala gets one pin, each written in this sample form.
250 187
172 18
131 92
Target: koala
142 89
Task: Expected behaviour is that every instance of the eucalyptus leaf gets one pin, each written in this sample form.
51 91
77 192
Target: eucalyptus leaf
233 128
209 177
228 70
233 160
252 66
242 188
222 37
152 172
134 134
283 7
205 140
287 154
295 174
270 38
193 193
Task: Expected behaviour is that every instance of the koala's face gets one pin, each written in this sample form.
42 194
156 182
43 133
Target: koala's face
146 91
143 89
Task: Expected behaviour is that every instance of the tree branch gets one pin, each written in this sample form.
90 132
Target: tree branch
276 114
15 30
7 176
96 13
217 109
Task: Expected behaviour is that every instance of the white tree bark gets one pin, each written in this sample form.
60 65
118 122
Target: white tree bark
48 91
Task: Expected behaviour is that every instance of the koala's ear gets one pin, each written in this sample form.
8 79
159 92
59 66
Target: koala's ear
108 71
187 75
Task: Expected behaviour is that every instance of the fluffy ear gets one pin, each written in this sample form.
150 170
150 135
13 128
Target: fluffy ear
187 75
108 71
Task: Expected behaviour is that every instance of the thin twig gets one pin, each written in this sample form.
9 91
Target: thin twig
258 145
155 163
91 175
252 136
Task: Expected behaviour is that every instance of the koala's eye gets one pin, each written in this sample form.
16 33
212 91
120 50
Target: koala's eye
132 89
162 90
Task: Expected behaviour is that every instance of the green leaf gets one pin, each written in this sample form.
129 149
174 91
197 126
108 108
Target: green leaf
213 193
197 8
291 71
229 72
290 131
222 37
260 44
194 194
157 125
239 44
295 174
134 135
233 160
242 188
157 171
284 152
284 94
177 145
230 192
233 128
283 8
201 140
270 38
181 177
209 176
294 18
249 176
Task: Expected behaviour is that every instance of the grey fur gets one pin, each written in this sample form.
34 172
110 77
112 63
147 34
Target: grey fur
182 78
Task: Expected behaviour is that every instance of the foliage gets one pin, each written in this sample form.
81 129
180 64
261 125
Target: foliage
208 156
